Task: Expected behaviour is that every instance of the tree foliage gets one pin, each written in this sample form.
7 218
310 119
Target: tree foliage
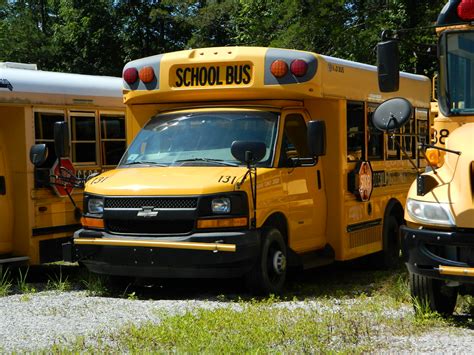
99 37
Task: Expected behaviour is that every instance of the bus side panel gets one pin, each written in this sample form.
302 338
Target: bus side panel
333 112
17 127
6 218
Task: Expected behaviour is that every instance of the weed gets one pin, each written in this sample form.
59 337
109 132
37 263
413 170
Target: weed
424 315
5 283
466 304
57 282
95 284
25 297
21 283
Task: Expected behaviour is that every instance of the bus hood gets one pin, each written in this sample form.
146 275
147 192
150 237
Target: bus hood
455 178
152 181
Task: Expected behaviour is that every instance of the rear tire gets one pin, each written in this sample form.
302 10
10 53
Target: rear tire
269 272
433 293
389 257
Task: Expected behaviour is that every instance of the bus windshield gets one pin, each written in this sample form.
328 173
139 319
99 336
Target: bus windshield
200 138
460 72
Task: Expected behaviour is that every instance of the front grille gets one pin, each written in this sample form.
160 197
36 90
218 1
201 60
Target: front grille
155 202
149 227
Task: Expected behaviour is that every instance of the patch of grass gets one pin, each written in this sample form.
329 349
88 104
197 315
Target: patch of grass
466 304
95 284
58 282
364 324
21 282
424 315
5 283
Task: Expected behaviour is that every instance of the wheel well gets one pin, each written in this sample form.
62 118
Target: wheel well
278 221
395 208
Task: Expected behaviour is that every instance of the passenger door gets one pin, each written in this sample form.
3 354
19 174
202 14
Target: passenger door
304 185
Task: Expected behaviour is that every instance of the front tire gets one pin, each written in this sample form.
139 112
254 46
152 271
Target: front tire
433 293
269 272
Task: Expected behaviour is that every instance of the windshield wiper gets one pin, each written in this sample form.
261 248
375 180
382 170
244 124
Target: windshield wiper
207 160
144 162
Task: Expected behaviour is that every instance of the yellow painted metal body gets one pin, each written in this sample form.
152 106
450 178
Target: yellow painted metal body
30 215
315 216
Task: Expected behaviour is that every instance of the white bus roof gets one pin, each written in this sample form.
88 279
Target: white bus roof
28 85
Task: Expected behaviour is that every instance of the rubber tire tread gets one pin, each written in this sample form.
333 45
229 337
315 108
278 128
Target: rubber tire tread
257 279
430 290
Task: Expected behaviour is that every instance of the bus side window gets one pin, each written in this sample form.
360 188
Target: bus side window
294 144
375 142
44 133
355 131
408 134
83 138
112 138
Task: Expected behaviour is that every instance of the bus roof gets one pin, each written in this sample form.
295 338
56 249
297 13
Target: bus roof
20 85
244 73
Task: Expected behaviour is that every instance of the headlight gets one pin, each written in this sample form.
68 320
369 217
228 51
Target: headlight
220 205
95 205
430 212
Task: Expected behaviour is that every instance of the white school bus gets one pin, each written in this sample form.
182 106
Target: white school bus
247 160
36 218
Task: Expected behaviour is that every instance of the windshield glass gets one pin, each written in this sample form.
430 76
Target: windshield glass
460 72
200 138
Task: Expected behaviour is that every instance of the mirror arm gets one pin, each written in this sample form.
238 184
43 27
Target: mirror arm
457 152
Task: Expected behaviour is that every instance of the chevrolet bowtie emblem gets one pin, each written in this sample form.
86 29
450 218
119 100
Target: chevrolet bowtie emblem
148 212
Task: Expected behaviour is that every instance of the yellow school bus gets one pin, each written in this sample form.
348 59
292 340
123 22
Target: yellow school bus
247 160
438 239
35 216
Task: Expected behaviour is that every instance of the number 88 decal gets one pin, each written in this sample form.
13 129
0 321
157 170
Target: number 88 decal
443 134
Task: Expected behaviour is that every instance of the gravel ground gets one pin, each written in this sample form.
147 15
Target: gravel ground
36 321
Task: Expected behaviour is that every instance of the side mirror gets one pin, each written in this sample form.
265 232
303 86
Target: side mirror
392 114
388 66
248 152
317 138
38 154
61 139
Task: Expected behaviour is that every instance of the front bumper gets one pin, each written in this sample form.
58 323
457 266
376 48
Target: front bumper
199 255
445 255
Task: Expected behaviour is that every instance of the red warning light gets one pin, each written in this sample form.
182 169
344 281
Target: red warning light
130 75
466 10
299 67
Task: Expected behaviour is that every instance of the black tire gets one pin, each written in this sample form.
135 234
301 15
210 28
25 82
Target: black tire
391 243
433 293
389 257
269 272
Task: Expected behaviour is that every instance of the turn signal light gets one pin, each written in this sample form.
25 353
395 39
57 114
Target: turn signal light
146 74
130 75
466 10
279 68
95 223
432 155
222 223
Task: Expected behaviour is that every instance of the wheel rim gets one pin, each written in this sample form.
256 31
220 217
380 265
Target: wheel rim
279 262
276 264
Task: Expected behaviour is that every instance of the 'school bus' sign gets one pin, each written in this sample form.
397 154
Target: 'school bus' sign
211 75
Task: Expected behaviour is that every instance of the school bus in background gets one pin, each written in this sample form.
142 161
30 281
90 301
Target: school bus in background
229 175
35 220
438 240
